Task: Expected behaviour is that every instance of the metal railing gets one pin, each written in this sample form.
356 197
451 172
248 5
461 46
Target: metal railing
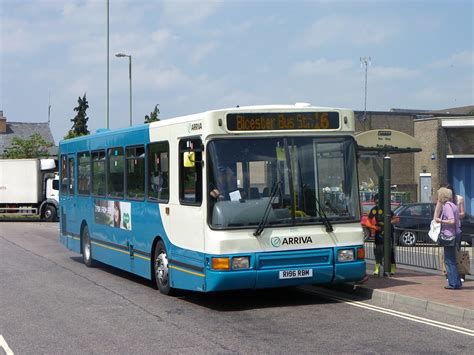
423 254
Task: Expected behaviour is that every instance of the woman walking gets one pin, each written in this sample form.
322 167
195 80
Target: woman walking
451 227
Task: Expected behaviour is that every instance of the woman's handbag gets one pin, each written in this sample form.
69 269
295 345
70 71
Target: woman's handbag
435 228
446 240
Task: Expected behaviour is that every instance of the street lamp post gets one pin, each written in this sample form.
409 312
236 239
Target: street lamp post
121 55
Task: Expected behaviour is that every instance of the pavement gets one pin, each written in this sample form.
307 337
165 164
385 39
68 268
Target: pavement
418 289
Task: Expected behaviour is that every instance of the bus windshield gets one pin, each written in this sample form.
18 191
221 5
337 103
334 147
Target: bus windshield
282 181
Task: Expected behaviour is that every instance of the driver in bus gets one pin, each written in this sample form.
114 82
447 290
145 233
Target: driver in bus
226 182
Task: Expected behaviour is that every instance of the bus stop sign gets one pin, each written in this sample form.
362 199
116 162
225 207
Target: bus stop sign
387 141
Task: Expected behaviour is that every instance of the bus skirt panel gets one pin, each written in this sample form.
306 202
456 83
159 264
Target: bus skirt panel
282 269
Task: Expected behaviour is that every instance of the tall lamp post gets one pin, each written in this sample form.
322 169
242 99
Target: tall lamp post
122 55
366 62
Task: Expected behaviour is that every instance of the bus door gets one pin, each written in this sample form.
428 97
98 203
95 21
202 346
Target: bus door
68 199
188 217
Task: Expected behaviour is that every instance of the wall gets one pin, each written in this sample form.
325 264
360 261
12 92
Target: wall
427 132
402 165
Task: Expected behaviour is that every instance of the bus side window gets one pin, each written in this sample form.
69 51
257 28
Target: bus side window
84 173
158 171
63 174
135 172
98 173
190 171
71 176
115 172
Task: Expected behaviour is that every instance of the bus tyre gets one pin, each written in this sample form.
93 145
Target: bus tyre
161 270
50 213
86 247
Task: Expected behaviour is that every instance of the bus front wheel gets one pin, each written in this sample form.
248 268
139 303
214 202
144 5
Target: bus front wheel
161 270
86 247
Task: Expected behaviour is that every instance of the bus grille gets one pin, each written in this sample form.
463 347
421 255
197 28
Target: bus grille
290 259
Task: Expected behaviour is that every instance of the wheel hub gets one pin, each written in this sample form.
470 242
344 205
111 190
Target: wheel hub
161 267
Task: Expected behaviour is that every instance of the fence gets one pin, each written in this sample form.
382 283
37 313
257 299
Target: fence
423 255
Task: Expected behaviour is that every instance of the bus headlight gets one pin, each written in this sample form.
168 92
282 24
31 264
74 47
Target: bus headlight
345 255
240 262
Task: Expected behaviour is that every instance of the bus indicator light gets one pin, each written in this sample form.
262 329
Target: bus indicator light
360 253
220 263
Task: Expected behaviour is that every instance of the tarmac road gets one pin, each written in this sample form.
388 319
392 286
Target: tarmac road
51 303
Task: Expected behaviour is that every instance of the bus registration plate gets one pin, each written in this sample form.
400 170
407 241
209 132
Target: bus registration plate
296 274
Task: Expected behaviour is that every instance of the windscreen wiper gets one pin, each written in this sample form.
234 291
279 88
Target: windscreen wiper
323 216
266 213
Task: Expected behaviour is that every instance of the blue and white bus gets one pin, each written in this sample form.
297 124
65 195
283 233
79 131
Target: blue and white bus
239 198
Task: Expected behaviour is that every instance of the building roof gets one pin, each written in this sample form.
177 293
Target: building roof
463 110
24 130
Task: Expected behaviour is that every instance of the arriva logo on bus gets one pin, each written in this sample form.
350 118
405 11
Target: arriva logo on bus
279 241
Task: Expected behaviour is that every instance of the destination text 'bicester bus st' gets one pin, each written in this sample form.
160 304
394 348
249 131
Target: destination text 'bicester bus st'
238 198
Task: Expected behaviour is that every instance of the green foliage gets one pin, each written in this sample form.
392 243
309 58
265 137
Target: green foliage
79 126
34 147
153 117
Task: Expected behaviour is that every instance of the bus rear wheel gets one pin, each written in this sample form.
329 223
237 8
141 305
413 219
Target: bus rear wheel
161 270
86 248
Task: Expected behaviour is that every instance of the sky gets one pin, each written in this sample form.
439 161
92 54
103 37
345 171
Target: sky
194 56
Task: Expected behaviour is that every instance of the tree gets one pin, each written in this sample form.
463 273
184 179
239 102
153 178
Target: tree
79 126
33 147
153 115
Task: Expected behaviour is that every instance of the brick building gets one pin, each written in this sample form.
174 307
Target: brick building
447 140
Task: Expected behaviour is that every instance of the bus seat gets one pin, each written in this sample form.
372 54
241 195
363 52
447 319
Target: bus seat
253 193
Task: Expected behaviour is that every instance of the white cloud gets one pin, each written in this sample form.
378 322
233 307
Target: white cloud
385 73
160 79
343 29
187 12
465 58
201 51
320 66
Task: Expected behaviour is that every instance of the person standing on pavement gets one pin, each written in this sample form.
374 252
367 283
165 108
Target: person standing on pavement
375 224
450 225
459 202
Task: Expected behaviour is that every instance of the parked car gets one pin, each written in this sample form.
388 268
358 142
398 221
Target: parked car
413 220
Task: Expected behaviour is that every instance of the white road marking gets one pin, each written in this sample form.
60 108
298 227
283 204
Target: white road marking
394 313
4 346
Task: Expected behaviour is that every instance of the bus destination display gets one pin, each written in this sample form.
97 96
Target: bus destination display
277 121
